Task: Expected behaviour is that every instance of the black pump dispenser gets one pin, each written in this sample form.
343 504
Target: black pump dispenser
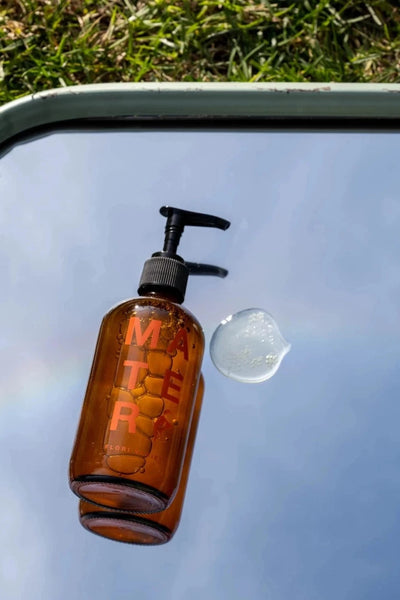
166 271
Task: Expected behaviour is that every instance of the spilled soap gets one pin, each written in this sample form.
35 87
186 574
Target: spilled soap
248 346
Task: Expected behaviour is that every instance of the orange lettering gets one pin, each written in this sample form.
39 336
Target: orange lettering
153 330
118 415
180 342
167 383
135 365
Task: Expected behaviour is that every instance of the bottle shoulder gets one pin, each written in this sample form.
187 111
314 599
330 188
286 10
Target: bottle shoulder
156 305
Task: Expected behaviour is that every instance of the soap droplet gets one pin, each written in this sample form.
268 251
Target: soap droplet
248 346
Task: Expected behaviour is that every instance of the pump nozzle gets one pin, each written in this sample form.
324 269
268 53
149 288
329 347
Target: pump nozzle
177 218
165 271
202 269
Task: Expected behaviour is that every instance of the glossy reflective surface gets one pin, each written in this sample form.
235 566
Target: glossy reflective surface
294 486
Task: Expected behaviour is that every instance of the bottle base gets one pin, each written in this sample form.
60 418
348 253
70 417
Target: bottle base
120 494
130 529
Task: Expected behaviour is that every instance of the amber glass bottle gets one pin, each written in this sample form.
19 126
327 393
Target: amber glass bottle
136 416
144 529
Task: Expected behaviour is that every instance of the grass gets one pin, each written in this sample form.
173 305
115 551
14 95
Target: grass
52 43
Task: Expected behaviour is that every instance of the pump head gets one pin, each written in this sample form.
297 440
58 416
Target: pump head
165 271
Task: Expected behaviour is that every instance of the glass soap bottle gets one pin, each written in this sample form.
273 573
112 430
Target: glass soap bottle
142 385
153 529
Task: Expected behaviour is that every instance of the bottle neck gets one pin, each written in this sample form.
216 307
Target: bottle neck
164 295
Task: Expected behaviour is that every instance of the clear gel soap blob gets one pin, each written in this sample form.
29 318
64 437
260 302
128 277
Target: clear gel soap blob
248 346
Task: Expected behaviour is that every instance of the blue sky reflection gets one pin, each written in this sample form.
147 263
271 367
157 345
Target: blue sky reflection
294 487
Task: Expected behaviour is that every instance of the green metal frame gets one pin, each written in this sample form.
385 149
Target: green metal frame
154 101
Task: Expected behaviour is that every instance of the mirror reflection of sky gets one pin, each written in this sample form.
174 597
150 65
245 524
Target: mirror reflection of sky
295 483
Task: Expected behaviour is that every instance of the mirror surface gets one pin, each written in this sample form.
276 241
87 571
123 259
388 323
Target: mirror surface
294 486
